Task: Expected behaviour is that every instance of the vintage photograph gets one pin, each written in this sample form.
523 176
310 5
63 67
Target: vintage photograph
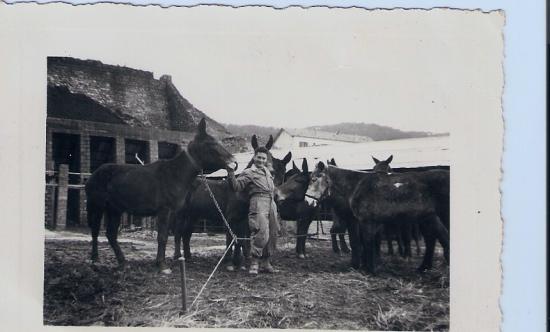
261 168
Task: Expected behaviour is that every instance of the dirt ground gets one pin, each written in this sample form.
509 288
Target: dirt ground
320 292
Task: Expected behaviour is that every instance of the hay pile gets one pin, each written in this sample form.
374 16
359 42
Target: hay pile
319 293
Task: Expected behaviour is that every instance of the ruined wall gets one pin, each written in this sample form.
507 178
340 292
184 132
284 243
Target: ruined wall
133 97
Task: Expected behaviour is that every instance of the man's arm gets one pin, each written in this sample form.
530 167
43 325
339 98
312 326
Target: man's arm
238 184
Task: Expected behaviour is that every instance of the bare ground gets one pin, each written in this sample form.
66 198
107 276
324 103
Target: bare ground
320 292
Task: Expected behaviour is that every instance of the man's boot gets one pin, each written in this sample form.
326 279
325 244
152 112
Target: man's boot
253 265
267 267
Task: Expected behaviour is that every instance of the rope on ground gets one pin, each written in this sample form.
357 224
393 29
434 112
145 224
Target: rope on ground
233 236
212 274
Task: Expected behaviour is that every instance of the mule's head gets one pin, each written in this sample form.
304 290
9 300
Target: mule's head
207 151
294 170
277 167
295 187
319 183
382 166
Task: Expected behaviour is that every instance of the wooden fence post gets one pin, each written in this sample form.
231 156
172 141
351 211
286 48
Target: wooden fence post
62 193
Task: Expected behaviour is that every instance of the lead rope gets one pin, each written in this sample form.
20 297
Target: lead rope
233 236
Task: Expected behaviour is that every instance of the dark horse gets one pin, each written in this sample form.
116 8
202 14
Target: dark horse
293 206
157 189
385 199
376 199
234 205
402 232
338 229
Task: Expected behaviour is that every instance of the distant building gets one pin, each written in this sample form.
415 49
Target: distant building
288 139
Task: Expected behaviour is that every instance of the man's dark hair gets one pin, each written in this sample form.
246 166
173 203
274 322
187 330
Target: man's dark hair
261 149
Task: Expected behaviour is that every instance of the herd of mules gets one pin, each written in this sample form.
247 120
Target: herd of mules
369 206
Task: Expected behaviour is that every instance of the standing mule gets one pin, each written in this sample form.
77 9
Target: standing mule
369 200
234 205
292 204
157 189
397 199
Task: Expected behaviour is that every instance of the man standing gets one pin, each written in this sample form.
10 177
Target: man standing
257 181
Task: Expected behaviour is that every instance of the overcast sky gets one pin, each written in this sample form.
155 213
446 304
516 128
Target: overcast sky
296 67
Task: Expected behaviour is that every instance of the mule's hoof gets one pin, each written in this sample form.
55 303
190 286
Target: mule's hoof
230 268
302 256
166 271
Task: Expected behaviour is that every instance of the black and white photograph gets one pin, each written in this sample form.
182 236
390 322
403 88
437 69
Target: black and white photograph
256 168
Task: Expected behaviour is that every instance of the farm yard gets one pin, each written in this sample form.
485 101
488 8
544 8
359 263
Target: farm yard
320 292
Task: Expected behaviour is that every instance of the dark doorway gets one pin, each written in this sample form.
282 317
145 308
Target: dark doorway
168 150
102 151
66 150
134 147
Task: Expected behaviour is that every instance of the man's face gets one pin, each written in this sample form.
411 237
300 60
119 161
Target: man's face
260 159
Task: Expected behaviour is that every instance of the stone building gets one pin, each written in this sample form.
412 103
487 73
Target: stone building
99 113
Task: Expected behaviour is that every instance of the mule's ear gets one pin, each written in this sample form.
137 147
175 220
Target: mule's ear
294 166
389 159
287 158
321 166
304 166
254 142
376 161
332 162
201 129
269 143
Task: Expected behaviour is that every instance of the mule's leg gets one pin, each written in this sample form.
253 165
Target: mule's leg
368 234
429 239
343 244
334 240
378 244
178 233
301 235
94 222
355 243
400 246
228 240
163 224
112 223
442 235
405 240
307 222
415 232
187 232
389 240
240 232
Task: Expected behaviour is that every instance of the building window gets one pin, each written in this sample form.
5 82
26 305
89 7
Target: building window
303 144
